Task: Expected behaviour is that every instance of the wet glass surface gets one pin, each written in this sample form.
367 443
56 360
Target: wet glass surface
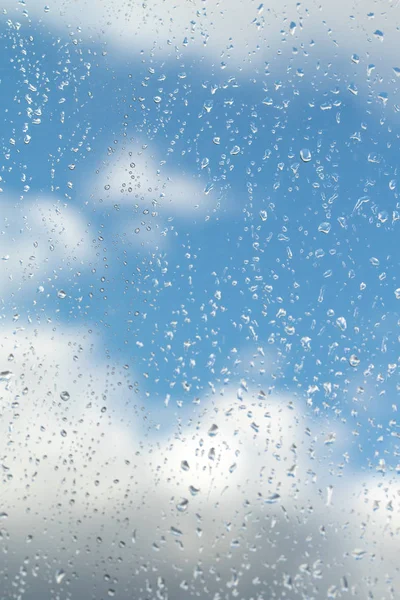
199 300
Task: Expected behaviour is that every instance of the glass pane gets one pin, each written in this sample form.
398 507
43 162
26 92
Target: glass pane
199 293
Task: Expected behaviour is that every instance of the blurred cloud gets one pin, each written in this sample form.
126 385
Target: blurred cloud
137 177
41 242
235 32
248 480
147 194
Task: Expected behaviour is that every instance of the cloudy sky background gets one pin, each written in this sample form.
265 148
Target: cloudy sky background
203 294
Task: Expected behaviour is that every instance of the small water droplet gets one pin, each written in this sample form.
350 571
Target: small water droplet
213 431
353 89
330 439
59 576
272 498
65 396
379 35
305 155
183 505
324 227
6 375
354 360
358 554
61 294
341 323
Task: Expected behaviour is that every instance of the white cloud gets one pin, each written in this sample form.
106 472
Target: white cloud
259 481
38 240
236 32
137 178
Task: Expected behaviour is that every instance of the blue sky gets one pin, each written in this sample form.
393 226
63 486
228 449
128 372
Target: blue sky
286 259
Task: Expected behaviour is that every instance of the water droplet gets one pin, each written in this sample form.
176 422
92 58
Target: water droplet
341 323
6 375
272 498
59 576
354 360
65 396
157 99
324 227
379 35
193 490
330 439
263 215
305 155
61 294
353 89
235 150
213 431
185 465
397 293
358 554
183 505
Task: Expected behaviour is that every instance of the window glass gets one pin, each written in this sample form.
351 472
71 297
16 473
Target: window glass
199 299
